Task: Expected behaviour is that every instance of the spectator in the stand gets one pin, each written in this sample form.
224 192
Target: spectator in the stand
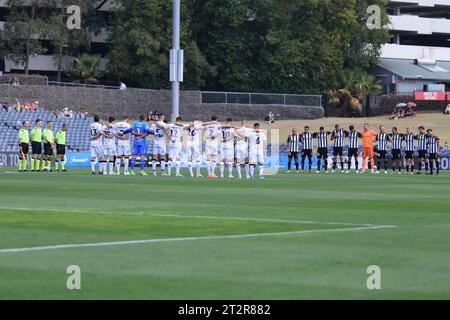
409 113
270 118
83 114
398 113
15 82
123 86
32 106
66 113
447 109
18 106
153 115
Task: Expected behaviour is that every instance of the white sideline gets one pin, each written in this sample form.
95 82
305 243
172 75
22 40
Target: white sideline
238 236
194 217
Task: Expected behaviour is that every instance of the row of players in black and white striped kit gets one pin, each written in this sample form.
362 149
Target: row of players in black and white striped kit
402 144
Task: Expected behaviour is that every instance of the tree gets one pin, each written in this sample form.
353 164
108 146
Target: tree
141 42
24 27
65 40
30 23
353 87
87 67
288 46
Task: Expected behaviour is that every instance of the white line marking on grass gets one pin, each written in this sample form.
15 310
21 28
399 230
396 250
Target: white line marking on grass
193 217
237 236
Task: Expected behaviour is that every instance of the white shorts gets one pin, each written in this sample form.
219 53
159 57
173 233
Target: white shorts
211 148
256 157
123 150
96 151
241 153
159 149
193 151
227 152
175 150
109 151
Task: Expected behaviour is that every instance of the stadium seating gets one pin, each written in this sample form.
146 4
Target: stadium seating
11 122
77 136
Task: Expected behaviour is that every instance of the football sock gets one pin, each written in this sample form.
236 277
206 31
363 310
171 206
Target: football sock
178 163
191 172
197 168
222 169
118 164
252 171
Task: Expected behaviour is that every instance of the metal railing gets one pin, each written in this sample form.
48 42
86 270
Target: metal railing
260 98
80 85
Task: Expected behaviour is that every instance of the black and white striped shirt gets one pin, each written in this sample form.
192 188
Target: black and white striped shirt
382 139
433 144
353 142
322 139
409 142
293 142
422 139
397 141
307 140
338 138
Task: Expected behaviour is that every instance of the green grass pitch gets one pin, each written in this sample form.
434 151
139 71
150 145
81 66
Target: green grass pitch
288 237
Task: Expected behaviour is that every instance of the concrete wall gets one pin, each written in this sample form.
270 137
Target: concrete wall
133 102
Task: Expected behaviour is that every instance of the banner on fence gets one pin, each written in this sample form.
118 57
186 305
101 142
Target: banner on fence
83 160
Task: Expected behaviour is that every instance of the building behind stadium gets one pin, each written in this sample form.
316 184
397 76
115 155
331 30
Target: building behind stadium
420 31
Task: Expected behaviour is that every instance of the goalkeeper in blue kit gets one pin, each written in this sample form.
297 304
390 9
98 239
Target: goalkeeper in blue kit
140 131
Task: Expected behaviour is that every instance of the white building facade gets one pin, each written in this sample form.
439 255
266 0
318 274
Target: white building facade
47 63
419 50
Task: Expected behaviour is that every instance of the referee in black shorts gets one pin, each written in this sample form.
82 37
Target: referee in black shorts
293 149
60 140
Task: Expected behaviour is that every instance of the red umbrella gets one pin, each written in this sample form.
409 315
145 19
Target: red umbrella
411 104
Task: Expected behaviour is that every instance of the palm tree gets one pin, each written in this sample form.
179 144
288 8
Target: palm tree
87 67
354 85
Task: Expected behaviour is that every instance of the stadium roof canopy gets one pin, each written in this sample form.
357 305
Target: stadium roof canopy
407 69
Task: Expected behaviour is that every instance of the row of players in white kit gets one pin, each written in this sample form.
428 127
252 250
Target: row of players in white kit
225 145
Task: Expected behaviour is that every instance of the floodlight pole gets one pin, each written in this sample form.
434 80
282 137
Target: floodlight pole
176 61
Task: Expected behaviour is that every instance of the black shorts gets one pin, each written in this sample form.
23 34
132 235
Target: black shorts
353 152
409 154
307 153
396 154
25 148
432 156
293 154
338 151
48 151
382 154
60 149
322 152
423 153
36 147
